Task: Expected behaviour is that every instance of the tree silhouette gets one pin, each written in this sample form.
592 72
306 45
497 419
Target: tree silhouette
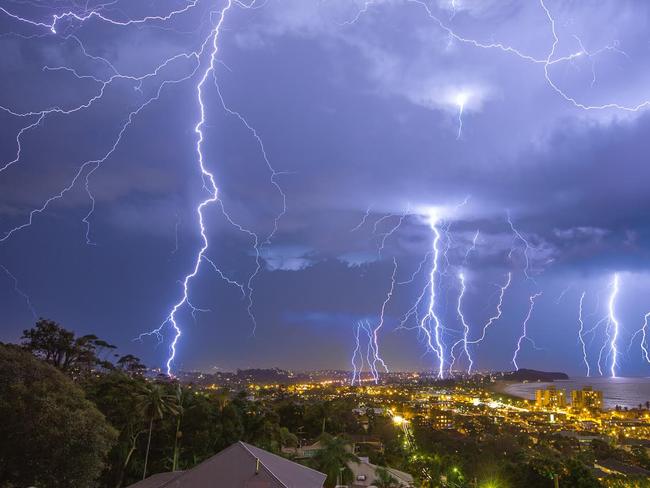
59 347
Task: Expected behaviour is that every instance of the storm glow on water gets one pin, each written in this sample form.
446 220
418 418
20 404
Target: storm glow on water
626 392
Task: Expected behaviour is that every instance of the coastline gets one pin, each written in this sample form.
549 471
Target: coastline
622 391
500 387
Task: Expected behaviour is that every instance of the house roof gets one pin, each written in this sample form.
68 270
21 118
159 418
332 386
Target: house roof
619 467
156 480
240 466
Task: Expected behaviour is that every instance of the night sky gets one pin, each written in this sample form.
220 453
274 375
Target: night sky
357 106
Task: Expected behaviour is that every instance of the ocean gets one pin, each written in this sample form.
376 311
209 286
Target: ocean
626 392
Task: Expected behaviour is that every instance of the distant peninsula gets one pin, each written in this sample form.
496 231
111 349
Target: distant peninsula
532 375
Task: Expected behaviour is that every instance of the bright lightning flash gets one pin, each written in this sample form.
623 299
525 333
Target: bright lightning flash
611 304
431 316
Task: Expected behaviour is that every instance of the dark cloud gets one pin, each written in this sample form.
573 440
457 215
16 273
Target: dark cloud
360 120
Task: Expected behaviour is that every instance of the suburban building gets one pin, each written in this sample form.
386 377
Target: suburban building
303 452
239 466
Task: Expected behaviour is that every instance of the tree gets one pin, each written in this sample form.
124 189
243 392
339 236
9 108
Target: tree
116 396
384 479
131 364
51 435
155 403
333 459
59 347
578 475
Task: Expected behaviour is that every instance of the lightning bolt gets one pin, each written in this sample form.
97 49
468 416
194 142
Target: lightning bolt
431 316
471 248
461 100
424 325
459 312
370 351
580 334
208 183
524 332
644 343
274 174
527 246
611 330
375 332
19 291
52 26
611 304
417 271
497 316
90 166
464 340
176 227
356 371
390 231
363 220
546 62
562 293
86 170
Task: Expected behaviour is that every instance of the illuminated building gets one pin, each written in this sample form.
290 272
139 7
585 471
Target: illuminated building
550 398
442 420
587 399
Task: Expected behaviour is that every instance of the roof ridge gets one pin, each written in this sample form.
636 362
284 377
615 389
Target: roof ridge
245 446
284 459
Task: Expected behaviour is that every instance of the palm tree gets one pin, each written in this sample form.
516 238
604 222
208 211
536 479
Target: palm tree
183 403
384 479
333 458
154 403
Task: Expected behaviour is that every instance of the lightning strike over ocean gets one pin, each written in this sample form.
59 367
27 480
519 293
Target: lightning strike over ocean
644 340
614 325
